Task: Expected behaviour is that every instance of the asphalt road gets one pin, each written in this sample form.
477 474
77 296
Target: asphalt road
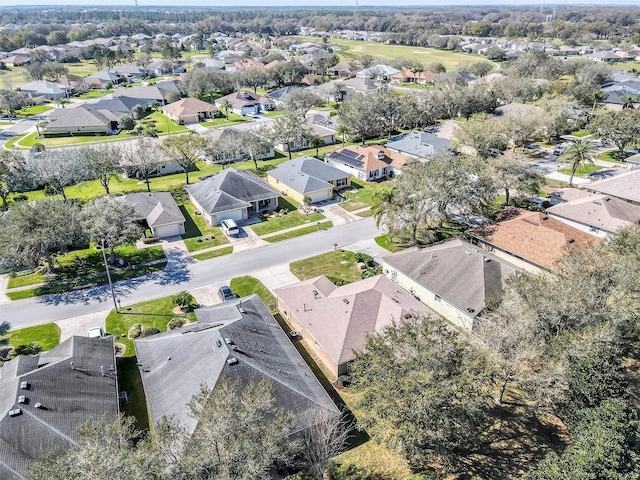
183 273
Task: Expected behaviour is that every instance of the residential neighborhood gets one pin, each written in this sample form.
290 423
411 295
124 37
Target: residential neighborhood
308 243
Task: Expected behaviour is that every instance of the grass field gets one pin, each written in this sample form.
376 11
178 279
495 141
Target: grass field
247 285
354 49
583 170
300 231
234 119
46 335
339 265
384 242
291 219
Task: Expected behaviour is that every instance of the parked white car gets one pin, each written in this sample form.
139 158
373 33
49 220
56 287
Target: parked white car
230 227
96 332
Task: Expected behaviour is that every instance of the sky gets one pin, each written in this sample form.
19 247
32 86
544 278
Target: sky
300 3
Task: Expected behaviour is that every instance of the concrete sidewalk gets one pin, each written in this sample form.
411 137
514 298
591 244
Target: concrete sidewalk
4 281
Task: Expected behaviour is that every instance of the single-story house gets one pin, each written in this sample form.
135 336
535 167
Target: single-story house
82 121
159 212
625 186
605 57
44 398
71 81
234 194
119 106
131 72
343 70
530 240
104 78
238 340
16 60
159 67
420 145
48 90
379 72
337 320
308 177
281 95
365 86
243 102
189 110
454 278
326 134
146 95
407 76
368 163
596 213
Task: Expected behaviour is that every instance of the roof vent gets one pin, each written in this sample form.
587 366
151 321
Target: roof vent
242 310
407 316
22 399
25 385
606 199
486 259
570 240
15 413
39 405
345 301
545 217
395 299
471 310
218 343
228 341
315 293
232 361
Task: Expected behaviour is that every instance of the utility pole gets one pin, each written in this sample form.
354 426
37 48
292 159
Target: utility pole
106 267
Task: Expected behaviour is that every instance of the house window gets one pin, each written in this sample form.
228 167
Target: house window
341 182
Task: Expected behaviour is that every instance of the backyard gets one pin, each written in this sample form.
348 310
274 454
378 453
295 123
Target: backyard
361 195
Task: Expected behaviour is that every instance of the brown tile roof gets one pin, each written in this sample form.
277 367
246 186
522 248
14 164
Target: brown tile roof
533 236
189 106
407 75
374 157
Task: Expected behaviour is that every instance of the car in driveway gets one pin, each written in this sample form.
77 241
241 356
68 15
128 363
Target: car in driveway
230 227
96 332
225 293
252 115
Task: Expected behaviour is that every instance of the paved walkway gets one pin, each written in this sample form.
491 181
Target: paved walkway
276 276
337 214
4 280
565 178
247 240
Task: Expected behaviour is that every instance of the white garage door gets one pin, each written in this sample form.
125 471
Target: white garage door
233 215
321 195
167 230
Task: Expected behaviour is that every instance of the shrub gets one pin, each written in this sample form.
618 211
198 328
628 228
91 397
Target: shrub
20 198
371 272
29 349
344 380
150 331
183 299
176 322
364 258
135 331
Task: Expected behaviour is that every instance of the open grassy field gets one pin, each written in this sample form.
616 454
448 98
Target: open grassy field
354 49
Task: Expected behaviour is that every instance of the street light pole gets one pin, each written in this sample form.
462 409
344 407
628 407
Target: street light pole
106 267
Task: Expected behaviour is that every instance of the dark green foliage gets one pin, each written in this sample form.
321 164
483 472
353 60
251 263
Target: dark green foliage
150 331
364 258
176 322
422 392
29 349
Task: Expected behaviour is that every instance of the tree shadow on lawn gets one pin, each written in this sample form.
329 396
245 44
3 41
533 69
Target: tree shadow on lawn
519 438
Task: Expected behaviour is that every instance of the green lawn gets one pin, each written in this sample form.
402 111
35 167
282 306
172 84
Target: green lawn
583 170
234 119
80 282
354 49
152 314
34 110
613 155
384 242
300 231
288 220
247 285
164 125
47 335
213 253
94 94
363 196
580 133
198 233
87 261
339 265
10 144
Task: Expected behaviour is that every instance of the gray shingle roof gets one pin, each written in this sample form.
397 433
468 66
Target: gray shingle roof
176 364
625 186
122 104
79 117
307 174
457 271
419 144
597 210
157 208
356 310
229 190
69 397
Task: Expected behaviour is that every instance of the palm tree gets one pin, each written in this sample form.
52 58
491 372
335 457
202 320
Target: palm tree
579 154
597 96
184 300
317 142
382 201
629 101
342 130
226 105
